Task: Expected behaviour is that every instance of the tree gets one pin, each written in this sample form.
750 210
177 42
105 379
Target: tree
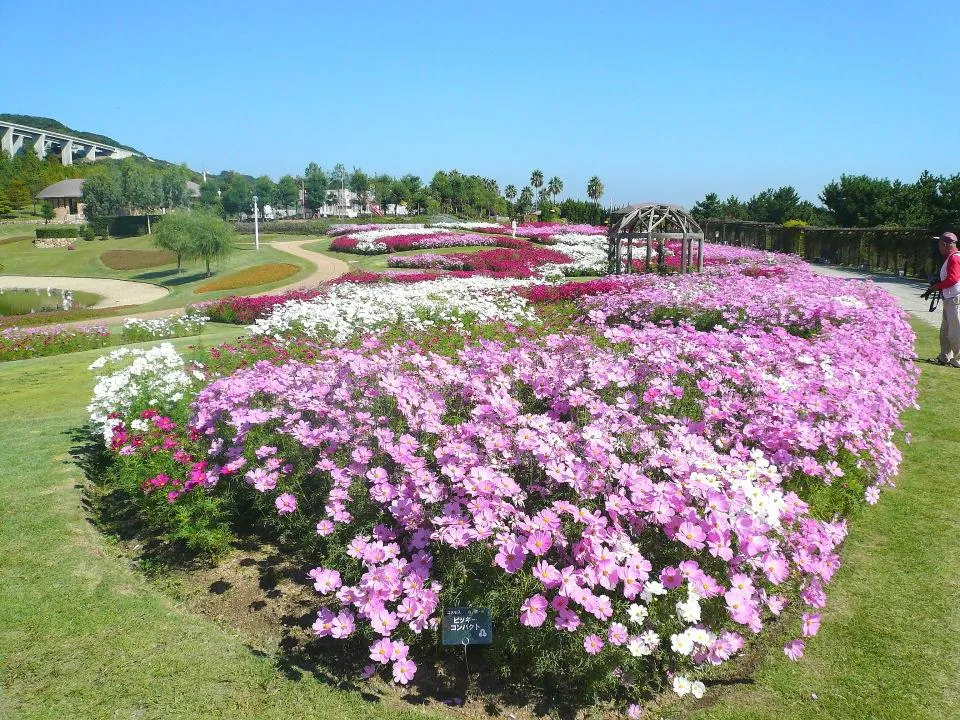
264 188
195 235
708 208
360 185
510 193
237 195
102 196
173 187
137 189
6 209
173 235
859 201
287 192
555 187
18 194
47 212
733 209
315 184
536 179
210 196
774 206
595 189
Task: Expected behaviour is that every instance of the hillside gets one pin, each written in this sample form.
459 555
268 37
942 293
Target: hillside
44 123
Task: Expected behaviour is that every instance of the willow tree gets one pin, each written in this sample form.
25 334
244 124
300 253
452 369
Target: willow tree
194 235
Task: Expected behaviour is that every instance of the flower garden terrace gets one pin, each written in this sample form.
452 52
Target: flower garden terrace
635 491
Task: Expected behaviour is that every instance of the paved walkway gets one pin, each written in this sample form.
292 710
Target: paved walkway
116 293
905 290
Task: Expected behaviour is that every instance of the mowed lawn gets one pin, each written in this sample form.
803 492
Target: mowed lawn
84 635
21 258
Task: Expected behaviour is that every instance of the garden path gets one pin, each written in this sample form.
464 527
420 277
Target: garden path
327 268
116 293
905 290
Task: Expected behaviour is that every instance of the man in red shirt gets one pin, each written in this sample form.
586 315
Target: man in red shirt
949 287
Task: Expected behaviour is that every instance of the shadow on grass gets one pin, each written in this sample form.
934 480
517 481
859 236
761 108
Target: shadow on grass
260 583
171 278
156 274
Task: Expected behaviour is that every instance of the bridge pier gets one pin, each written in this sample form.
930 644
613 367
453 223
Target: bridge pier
91 154
40 146
66 153
6 141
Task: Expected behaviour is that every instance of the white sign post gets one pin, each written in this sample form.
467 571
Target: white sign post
256 223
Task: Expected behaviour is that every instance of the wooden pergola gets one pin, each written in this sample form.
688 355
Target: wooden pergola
645 224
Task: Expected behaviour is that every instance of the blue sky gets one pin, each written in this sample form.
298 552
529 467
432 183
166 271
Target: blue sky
664 101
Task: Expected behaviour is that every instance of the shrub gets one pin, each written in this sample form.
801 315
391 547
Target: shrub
286 227
136 259
251 276
87 233
57 231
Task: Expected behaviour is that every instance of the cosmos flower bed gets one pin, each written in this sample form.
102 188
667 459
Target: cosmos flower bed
376 242
544 231
634 498
140 329
245 310
21 343
519 262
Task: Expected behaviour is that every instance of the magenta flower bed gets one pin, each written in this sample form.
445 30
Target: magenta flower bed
421 241
542 231
518 262
245 310
22 343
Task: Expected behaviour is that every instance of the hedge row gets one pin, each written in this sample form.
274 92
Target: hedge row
57 231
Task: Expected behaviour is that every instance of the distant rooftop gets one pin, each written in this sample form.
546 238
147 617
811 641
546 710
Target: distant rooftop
72 188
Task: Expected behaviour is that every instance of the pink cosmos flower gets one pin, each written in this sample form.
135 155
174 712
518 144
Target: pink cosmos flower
533 612
793 649
381 651
671 577
343 625
617 634
872 495
811 624
368 672
592 644
286 503
691 535
403 671
324 528
546 574
539 542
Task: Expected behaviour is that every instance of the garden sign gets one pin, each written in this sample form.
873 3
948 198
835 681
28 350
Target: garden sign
467 626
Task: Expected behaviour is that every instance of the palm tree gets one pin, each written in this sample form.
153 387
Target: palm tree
595 189
536 179
555 187
510 192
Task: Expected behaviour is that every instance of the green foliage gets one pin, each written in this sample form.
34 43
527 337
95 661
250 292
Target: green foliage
595 189
57 231
47 212
6 209
18 194
194 235
173 187
236 194
286 192
102 195
315 185
87 233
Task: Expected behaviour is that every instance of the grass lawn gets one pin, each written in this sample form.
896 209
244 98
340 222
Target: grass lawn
21 258
84 635
889 646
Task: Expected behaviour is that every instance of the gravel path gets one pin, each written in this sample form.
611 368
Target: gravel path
116 293
327 268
